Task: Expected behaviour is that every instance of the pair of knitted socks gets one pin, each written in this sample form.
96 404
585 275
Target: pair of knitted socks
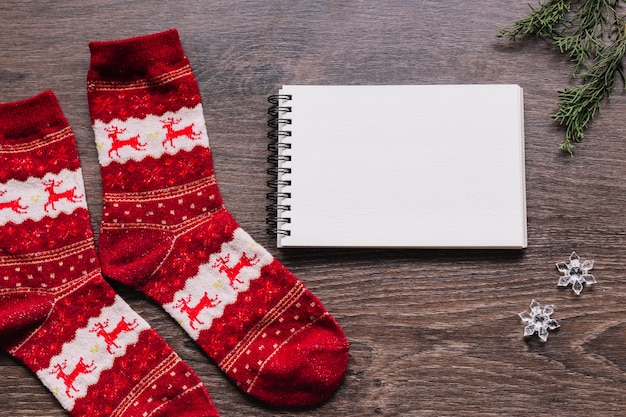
165 232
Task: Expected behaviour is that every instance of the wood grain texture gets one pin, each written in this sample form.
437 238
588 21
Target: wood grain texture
433 333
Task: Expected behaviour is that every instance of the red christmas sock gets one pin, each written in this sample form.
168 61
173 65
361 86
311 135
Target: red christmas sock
57 314
166 232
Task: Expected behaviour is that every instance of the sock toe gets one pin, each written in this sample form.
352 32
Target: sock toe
307 370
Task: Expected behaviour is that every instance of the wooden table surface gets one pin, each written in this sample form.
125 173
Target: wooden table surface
432 332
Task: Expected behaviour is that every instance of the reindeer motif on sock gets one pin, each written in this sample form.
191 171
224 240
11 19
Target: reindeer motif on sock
110 337
117 143
14 204
193 311
53 197
173 133
69 378
232 272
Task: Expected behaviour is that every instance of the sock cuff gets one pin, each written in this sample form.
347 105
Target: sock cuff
31 118
136 58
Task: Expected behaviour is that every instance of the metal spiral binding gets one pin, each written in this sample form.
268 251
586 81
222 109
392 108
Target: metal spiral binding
276 121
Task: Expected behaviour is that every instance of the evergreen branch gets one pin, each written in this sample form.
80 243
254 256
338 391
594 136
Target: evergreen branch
593 15
543 21
580 47
593 35
585 30
578 105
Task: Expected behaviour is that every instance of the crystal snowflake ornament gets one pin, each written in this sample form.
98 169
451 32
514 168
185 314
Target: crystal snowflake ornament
575 273
539 320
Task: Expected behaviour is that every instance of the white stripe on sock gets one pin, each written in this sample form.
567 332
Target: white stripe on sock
95 348
37 198
205 296
135 139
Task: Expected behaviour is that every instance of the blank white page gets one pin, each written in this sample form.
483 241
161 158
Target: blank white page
425 166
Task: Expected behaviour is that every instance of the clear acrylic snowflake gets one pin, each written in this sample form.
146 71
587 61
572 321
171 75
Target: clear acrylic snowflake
575 273
539 320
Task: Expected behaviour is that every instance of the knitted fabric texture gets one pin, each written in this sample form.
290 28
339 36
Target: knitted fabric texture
57 314
166 232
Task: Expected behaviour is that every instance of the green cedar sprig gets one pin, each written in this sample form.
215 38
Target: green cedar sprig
592 34
578 105
545 22
586 31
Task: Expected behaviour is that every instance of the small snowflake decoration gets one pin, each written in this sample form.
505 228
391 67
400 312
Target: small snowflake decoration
539 320
575 273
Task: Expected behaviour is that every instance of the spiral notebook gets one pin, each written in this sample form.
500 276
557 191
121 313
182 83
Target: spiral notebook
406 166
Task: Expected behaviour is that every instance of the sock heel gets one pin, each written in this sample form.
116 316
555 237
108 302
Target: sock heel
132 256
21 312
